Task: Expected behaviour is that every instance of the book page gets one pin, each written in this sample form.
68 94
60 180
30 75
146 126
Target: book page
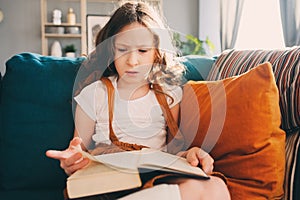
147 158
159 160
123 160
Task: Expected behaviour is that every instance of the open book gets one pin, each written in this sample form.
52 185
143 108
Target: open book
122 171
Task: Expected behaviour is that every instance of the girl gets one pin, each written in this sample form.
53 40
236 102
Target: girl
132 47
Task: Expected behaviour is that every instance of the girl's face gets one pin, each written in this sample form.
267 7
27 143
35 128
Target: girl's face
134 53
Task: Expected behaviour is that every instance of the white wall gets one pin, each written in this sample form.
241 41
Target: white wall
182 15
20 30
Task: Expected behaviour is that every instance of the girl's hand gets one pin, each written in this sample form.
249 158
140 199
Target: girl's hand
70 159
196 156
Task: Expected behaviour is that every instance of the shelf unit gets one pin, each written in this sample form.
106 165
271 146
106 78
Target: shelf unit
81 23
46 24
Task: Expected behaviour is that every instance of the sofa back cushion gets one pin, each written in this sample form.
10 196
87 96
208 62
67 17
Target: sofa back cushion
36 115
286 68
197 67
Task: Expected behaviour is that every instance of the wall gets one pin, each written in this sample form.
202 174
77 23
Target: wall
20 30
209 22
182 15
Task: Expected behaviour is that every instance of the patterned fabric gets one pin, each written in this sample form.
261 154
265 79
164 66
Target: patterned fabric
286 68
291 152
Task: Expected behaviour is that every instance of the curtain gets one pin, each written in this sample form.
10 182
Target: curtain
230 16
209 22
290 18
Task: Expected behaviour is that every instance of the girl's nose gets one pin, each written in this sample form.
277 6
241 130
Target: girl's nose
132 58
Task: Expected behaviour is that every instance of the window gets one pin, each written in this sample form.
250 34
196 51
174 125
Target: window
260 26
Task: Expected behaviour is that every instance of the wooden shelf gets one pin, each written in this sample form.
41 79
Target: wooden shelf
62 25
54 35
47 34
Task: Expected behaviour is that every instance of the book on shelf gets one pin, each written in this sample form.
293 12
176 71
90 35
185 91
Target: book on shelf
123 171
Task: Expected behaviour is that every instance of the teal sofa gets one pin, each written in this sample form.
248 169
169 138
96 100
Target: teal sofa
36 115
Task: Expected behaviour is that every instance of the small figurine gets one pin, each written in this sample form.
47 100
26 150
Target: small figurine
57 17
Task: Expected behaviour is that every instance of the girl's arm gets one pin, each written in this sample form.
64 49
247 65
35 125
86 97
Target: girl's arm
70 159
84 127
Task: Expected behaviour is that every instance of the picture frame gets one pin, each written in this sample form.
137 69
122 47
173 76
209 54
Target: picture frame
94 25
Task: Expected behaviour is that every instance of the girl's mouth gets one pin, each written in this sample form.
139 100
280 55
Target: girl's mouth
131 73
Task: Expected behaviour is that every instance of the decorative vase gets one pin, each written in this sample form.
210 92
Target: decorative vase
56 49
71 17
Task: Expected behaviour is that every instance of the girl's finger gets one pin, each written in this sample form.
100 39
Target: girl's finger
73 159
201 154
73 168
76 141
207 167
192 158
56 154
206 161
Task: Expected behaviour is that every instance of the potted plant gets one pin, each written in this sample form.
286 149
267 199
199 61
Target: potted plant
190 45
70 50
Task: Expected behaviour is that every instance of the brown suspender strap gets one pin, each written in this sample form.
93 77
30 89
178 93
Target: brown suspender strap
111 97
174 141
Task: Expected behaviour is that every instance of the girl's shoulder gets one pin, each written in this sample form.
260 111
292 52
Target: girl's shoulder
95 86
173 91
98 86
169 89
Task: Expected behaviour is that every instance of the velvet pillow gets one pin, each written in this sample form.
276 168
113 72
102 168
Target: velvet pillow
237 120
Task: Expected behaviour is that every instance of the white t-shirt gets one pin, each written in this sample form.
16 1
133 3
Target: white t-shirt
139 121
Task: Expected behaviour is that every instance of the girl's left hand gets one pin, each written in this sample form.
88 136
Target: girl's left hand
196 156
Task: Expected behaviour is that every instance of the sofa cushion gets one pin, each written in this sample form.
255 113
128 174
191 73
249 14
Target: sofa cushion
197 67
296 192
286 67
292 174
237 120
36 115
0 85
37 194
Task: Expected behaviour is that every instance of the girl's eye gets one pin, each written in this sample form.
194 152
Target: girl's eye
143 50
121 49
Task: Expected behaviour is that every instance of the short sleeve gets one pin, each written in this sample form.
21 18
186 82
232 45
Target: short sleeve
86 99
176 93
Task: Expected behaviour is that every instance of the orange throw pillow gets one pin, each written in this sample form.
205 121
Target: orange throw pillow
237 120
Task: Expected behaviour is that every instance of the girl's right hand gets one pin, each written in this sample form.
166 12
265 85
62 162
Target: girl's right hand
197 156
70 159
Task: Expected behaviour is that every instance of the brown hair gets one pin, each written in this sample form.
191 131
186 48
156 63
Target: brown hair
101 61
